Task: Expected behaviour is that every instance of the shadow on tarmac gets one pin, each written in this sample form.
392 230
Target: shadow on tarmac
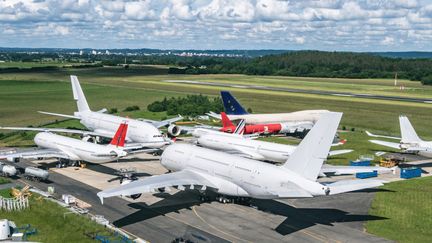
296 218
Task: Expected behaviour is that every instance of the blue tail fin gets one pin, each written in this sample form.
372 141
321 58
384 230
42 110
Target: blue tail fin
231 105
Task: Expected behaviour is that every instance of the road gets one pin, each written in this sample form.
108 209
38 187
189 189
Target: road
304 91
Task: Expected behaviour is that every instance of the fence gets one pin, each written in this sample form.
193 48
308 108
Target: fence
14 204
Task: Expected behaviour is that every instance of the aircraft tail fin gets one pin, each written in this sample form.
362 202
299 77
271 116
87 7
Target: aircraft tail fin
407 131
226 122
313 150
240 127
78 95
231 105
120 136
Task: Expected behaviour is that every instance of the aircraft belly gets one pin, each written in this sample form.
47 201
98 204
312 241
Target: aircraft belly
426 154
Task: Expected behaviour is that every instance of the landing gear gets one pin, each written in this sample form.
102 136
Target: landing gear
223 199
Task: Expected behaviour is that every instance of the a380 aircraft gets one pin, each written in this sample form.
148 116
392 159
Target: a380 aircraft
71 149
142 131
410 142
230 175
272 152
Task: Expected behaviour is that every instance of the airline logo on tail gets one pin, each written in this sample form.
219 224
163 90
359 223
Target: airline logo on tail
228 126
120 136
231 105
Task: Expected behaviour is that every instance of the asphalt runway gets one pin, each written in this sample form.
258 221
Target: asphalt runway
336 218
304 91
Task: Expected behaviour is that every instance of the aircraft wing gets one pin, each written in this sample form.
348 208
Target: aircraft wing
246 153
385 143
380 136
35 154
58 114
341 151
152 183
163 123
348 170
415 149
46 129
352 185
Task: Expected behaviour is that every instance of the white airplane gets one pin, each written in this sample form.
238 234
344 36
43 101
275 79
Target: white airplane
274 152
235 111
410 141
142 131
229 175
56 146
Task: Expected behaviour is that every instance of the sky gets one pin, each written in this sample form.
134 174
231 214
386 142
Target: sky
331 25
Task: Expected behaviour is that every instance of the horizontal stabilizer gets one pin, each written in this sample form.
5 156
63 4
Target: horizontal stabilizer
380 136
290 190
340 151
353 185
385 143
61 115
47 129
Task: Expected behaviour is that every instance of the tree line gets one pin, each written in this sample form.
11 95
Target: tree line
191 105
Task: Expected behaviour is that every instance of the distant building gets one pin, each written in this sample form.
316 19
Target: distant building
94 52
81 52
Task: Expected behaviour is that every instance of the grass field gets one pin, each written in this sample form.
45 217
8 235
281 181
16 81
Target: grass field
24 93
408 206
53 222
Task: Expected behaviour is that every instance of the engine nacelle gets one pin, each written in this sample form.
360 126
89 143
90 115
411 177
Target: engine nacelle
124 181
14 159
91 139
174 130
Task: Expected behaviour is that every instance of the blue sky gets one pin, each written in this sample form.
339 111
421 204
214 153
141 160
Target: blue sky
364 25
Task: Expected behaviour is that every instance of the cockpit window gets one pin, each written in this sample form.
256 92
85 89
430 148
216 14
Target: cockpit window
158 136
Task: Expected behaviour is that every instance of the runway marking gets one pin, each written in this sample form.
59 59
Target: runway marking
215 228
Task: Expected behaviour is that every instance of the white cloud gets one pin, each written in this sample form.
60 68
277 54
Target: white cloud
388 41
328 24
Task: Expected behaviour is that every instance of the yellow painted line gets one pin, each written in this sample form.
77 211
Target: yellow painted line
215 228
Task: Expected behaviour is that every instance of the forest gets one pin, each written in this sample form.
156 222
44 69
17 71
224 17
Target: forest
191 105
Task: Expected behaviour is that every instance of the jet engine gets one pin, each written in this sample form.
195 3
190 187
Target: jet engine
91 139
174 130
14 159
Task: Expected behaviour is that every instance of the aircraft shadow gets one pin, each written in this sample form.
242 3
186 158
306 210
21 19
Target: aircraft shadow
110 171
302 218
174 203
296 218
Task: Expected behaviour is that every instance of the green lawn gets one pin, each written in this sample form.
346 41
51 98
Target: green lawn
53 222
4 180
408 207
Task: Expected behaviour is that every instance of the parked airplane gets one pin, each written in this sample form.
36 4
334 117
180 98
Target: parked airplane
296 119
230 175
272 152
141 131
268 128
410 141
71 149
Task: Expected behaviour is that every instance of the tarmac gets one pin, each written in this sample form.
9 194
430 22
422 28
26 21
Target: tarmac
164 217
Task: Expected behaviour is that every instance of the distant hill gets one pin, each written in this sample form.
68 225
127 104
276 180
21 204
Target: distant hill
407 54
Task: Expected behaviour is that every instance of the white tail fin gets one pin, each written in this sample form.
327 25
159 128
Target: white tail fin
79 95
407 131
309 156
